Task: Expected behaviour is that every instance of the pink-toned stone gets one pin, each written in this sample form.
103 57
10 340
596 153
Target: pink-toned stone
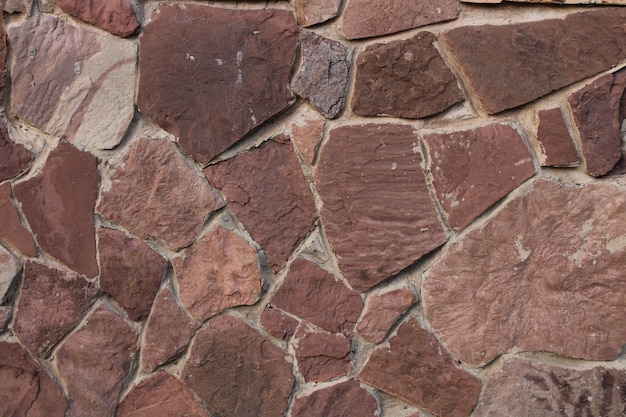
307 138
157 195
93 362
321 355
340 400
162 395
114 16
312 12
555 142
208 86
382 310
415 368
168 332
272 200
15 157
313 294
13 231
362 172
544 274
5 317
26 390
367 18
277 323
9 268
237 372
474 169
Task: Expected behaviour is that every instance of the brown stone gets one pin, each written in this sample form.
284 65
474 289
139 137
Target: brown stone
555 142
277 323
381 312
415 368
404 78
19 6
15 157
26 390
237 372
13 231
544 274
362 172
307 136
162 395
340 400
511 65
168 332
130 271
474 169
312 12
321 355
367 18
157 195
273 201
208 86
9 269
3 58
94 362
5 317
59 205
114 16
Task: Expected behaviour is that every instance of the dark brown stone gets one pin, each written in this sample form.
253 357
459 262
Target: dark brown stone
157 195
381 312
307 137
51 303
5 317
273 201
15 157
59 205
114 16
237 372
404 78
415 368
321 355
544 274
511 65
340 400
312 12
277 323
556 145
362 172
474 169
9 269
208 86
13 231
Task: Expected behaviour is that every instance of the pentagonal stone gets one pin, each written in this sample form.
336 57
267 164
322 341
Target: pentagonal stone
321 355
13 231
277 323
344 399
381 311
15 157
115 16
312 12
9 268
556 145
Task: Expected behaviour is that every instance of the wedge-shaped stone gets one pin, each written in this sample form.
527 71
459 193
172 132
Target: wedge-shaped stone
382 310
9 268
15 157
556 147
340 400
321 355
277 323
115 16
13 231
312 12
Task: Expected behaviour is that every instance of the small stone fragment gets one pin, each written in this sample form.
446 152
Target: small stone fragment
5 317
278 324
307 136
382 310
556 145
17 6
114 16
321 355
13 231
15 157
340 400
9 268
312 12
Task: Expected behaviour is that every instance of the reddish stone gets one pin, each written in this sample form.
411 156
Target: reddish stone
208 86
307 137
15 157
157 195
12 231
51 303
340 400
474 169
94 362
237 372
404 78
59 205
114 16
9 269
5 317
415 368
362 171
278 324
381 312
556 145
26 390
312 12
510 65
544 274
273 201
321 355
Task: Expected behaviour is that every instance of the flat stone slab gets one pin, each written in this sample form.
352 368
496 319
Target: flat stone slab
13 231
114 16
321 355
556 145
15 157
381 312
312 12
340 400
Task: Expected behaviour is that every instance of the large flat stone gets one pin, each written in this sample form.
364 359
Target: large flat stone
312 12
340 400
554 259
115 16
381 312
556 145
362 172
321 355
15 157
208 86
13 231
9 269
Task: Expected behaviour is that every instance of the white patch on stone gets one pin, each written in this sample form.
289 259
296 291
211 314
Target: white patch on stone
521 251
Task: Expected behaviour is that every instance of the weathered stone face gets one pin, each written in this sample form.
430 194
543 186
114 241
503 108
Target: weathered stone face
115 16
321 355
9 268
312 12
307 137
19 6
344 399
557 147
382 310
15 157
278 324
12 230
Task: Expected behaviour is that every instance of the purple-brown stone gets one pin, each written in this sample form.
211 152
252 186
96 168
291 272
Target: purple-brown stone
321 355
312 12
555 142
381 312
13 231
114 16
15 157
277 323
340 400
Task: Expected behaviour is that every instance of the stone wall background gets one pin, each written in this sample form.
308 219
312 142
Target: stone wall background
312 208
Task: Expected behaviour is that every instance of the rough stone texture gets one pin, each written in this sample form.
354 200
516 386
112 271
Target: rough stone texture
315 295
474 169
554 282
12 230
167 333
208 86
3 57
5 317
363 171
340 400
162 395
323 75
277 323
237 372
157 195
17 6
404 78
367 18
26 390
382 310
511 65
51 303
556 145
321 355
414 367
115 16
273 201
9 268
15 157
130 271
72 82
307 137
220 270
312 12
59 205
94 361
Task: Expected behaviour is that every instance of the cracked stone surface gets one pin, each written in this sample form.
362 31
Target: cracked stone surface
381 312
278 324
321 356
15 157
13 231
346 398
115 16
312 12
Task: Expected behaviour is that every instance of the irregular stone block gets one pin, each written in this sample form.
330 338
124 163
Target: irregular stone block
277 323
208 86
404 78
554 284
307 136
155 194
9 268
321 355
15 157
72 82
362 172
312 12
114 16
555 143
382 310
12 230
415 368
344 399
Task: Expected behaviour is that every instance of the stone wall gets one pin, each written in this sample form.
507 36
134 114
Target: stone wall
316 208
